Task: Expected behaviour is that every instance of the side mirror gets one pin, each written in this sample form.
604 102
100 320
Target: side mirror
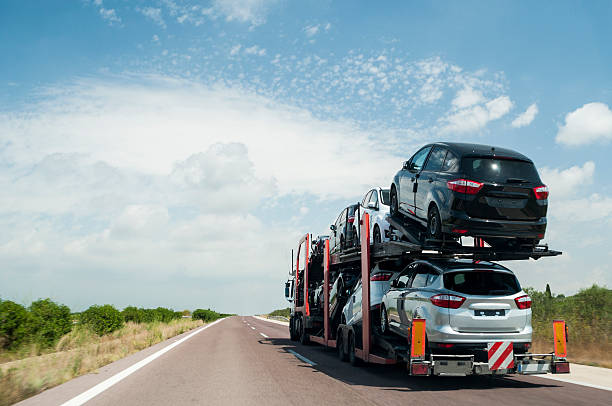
333 227
394 283
372 205
289 290
406 165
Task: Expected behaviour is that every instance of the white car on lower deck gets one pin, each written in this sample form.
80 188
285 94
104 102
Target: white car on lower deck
376 204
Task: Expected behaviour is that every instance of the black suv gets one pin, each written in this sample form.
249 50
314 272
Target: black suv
473 190
343 230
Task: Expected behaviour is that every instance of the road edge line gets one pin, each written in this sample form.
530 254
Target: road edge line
282 323
119 376
567 380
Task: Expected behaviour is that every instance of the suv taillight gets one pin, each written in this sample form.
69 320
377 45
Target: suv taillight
541 192
469 187
447 301
381 276
523 302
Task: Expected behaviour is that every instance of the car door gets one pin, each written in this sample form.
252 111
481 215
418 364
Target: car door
355 305
394 301
410 180
419 292
427 181
334 238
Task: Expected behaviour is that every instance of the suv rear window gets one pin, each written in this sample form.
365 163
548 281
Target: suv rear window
501 170
485 283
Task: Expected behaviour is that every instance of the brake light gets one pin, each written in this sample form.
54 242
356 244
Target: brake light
523 302
459 231
447 301
381 276
440 345
351 219
469 187
541 192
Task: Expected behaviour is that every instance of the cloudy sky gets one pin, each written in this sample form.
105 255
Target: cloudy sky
171 152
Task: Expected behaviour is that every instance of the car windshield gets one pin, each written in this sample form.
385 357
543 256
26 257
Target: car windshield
384 195
500 170
482 282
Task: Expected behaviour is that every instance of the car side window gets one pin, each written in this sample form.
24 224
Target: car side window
451 163
366 199
417 161
420 280
374 197
403 280
436 159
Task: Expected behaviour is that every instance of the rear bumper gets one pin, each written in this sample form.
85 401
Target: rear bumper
477 227
446 334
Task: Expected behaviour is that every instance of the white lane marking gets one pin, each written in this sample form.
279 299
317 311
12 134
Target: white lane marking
263 335
567 380
253 327
104 385
284 323
303 358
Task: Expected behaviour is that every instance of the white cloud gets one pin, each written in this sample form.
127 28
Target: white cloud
467 97
244 11
110 15
311 30
476 117
587 124
235 49
526 117
254 50
155 14
568 182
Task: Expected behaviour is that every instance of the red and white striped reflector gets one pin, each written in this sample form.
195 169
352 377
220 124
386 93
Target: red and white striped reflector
501 355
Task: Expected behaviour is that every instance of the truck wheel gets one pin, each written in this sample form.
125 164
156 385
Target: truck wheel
384 324
304 339
340 347
352 356
292 334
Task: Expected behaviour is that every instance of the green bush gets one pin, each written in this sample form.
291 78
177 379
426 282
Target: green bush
14 320
206 315
102 319
132 314
282 312
49 321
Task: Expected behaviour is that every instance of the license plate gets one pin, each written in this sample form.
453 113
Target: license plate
506 203
489 312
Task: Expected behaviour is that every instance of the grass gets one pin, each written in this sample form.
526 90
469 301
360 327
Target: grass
24 373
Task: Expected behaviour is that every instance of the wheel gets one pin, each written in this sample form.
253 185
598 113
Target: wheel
356 241
434 223
394 203
304 339
352 356
292 329
342 243
377 237
384 324
340 347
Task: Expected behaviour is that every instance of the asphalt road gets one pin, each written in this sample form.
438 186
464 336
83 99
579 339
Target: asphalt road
247 361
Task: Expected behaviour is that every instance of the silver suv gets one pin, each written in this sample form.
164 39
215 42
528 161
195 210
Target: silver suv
465 304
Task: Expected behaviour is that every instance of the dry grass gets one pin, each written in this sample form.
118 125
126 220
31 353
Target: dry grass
598 355
78 353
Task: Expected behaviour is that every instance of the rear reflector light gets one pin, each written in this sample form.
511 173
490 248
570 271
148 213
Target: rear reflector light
523 302
419 369
445 345
459 231
381 276
541 192
351 219
469 187
447 301
561 368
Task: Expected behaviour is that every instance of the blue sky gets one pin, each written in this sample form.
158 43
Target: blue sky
171 152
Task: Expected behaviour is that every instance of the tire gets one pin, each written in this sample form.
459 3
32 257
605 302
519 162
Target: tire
394 211
434 223
384 323
342 356
342 247
291 329
351 352
377 236
304 339
356 242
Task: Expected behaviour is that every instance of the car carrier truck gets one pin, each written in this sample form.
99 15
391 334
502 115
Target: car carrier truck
319 284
